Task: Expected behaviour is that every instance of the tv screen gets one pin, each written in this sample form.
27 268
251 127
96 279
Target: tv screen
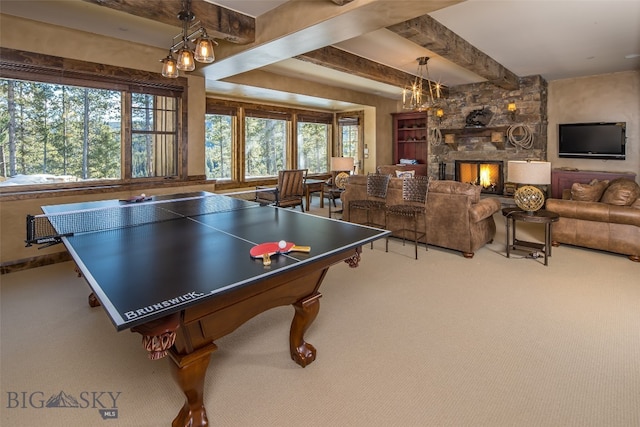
592 140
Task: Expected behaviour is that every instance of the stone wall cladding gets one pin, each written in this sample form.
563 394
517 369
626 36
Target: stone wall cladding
476 144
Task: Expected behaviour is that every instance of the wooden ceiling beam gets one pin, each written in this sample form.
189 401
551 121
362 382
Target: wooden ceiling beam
339 60
430 34
220 23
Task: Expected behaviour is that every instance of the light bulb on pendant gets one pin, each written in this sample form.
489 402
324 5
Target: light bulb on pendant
204 49
169 67
185 60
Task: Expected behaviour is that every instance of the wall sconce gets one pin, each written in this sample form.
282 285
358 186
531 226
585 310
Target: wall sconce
440 115
512 110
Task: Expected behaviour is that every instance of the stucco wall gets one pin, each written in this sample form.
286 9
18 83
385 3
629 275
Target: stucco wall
603 98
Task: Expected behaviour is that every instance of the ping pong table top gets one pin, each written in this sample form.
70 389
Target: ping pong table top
145 272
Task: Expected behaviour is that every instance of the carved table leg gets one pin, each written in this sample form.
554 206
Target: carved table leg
307 309
159 335
354 260
93 300
189 372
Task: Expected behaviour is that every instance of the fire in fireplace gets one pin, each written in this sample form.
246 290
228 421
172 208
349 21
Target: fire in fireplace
486 173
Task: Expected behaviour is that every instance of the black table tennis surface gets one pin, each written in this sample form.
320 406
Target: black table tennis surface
145 272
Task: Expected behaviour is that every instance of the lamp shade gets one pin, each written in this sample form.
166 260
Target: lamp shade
169 67
185 60
342 164
529 172
204 50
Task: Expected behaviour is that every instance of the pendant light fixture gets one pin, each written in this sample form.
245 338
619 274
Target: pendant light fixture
414 97
191 45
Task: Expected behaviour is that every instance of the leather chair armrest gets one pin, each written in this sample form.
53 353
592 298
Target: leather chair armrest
484 209
588 211
624 215
595 211
353 192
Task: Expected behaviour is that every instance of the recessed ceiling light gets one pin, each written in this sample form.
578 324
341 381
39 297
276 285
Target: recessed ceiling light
632 56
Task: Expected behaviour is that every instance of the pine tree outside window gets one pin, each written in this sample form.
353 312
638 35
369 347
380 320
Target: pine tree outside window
62 125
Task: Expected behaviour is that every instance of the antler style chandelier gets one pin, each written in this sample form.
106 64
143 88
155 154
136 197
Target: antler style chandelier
182 45
414 96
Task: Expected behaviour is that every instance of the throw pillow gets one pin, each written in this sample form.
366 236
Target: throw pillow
588 192
621 192
405 174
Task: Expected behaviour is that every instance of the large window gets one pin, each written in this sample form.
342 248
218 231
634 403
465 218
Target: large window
247 143
154 135
265 146
218 141
313 143
59 133
349 137
350 141
62 125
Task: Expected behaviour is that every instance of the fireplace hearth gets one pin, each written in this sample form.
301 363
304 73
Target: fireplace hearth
486 173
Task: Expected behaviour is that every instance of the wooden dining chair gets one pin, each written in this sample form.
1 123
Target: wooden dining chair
289 191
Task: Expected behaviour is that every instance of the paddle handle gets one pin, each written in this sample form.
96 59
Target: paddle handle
295 248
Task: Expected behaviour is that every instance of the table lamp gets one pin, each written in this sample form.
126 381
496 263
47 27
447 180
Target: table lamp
344 166
529 173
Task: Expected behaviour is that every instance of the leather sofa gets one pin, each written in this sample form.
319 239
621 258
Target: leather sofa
457 218
601 215
394 170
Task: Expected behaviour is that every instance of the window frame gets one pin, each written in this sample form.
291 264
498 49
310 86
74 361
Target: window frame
22 65
322 119
289 161
352 119
230 112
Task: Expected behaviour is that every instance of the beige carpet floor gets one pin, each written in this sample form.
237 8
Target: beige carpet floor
441 341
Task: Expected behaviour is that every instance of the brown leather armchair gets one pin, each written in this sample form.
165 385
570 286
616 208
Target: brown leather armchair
456 217
602 215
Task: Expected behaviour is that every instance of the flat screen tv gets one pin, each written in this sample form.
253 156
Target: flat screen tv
592 140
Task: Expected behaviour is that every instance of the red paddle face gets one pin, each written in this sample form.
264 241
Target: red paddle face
270 248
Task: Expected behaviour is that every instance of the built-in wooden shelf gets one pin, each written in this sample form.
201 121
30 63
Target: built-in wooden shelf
410 137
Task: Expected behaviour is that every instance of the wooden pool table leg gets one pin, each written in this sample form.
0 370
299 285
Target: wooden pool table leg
307 309
189 372
354 260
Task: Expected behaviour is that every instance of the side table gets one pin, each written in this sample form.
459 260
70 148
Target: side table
513 214
314 186
334 193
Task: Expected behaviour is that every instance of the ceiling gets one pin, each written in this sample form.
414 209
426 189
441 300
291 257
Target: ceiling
556 39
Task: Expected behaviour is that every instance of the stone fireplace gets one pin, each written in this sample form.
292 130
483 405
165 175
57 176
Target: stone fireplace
496 140
486 173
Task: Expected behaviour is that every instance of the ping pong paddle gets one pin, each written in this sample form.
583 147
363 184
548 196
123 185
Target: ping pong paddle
267 249
137 199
